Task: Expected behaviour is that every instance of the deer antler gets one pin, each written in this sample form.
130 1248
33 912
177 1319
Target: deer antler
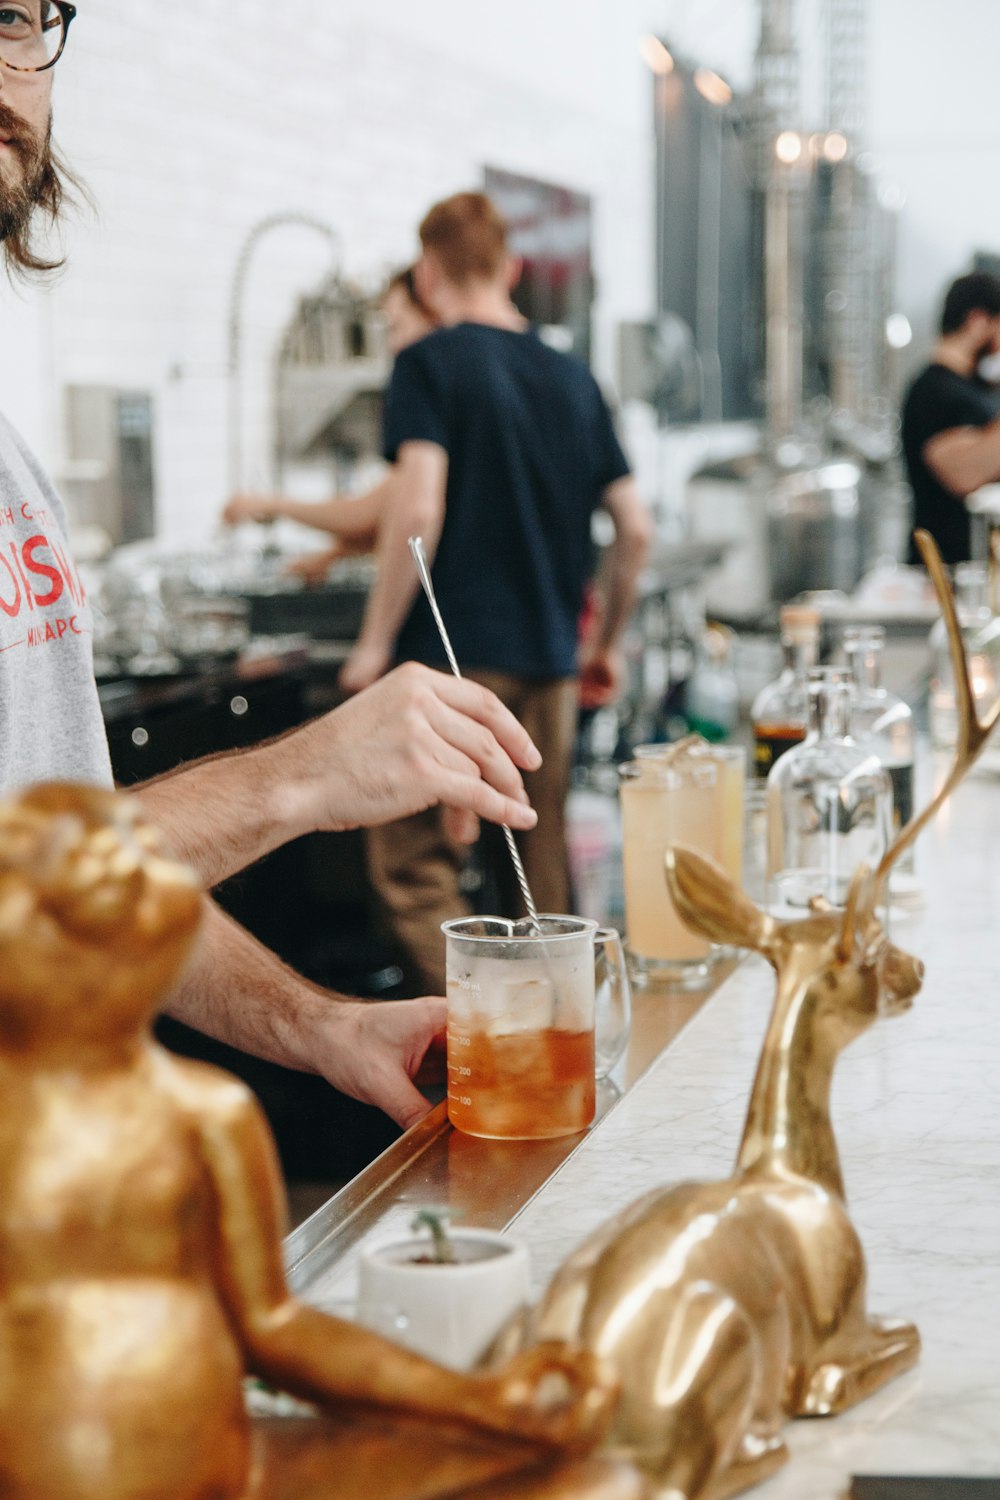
973 732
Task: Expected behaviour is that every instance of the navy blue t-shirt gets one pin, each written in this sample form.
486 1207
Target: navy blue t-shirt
531 447
938 401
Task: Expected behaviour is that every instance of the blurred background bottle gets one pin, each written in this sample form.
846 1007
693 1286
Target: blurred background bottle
713 697
829 803
981 636
881 722
780 712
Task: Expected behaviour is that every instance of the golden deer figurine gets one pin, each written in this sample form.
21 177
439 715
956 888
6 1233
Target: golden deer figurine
727 1308
140 1220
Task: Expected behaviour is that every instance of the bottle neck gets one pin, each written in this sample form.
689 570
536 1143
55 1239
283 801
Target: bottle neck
972 589
800 655
829 710
866 667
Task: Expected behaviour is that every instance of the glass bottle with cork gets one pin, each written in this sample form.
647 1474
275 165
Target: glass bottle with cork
829 804
780 711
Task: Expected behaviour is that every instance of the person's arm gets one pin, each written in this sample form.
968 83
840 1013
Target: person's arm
416 508
239 992
414 739
313 567
602 670
356 518
963 458
341 1364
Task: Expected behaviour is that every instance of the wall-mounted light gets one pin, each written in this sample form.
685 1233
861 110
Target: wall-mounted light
834 146
655 55
898 332
788 147
891 197
711 87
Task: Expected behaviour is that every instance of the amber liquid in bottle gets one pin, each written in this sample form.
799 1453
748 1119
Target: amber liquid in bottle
770 741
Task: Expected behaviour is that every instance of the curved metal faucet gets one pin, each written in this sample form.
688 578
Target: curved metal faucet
235 325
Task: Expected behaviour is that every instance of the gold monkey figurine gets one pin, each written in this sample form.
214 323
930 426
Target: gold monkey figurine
728 1307
140 1222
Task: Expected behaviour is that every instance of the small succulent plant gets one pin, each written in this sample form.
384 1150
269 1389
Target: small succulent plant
435 1220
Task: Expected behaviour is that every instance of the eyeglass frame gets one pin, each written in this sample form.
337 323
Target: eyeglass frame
67 11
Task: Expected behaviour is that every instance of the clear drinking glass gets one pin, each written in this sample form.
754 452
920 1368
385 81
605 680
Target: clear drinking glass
669 795
612 1001
520 1026
733 760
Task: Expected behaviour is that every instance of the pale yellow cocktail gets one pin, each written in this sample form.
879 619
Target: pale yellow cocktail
664 802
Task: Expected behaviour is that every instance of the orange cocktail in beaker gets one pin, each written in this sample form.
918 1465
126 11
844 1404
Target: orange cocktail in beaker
520 1027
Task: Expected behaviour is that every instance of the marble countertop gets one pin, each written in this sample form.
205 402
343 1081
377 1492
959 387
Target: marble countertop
916 1107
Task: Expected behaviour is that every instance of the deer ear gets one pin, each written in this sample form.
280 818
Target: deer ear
712 904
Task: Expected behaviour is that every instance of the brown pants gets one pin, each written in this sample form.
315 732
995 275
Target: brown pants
415 867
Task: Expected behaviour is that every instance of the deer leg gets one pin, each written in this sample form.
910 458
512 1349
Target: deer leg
756 1459
710 1364
884 1349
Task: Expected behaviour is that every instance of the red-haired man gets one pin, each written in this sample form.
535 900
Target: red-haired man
503 450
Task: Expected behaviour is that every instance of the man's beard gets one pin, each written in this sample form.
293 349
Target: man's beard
28 184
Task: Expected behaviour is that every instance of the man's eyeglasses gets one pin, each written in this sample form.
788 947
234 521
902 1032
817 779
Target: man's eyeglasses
33 34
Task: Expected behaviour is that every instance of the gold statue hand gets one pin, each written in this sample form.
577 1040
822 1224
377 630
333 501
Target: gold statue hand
558 1394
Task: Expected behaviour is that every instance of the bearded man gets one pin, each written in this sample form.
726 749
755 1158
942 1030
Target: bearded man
416 739
951 428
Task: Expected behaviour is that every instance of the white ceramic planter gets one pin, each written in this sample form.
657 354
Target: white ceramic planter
452 1311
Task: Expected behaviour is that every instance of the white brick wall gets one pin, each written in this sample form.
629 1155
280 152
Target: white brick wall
188 137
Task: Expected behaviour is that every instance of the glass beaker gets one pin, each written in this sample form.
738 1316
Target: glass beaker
520 1026
670 799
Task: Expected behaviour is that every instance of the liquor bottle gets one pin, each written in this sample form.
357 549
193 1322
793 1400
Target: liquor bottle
981 639
780 710
829 803
881 721
712 701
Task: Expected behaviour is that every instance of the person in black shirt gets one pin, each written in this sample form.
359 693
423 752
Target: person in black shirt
503 448
951 427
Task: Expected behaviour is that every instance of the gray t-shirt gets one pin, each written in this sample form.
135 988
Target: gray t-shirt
50 716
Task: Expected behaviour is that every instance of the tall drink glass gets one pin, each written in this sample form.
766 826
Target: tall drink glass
669 795
520 1026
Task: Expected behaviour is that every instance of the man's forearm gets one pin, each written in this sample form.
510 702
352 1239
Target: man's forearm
227 811
619 591
413 739
965 458
239 992
623 561
416 508
396 586
341 515
623 564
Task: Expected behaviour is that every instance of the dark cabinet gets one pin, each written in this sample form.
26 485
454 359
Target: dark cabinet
157 731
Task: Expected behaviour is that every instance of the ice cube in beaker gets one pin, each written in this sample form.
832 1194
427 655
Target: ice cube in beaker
525 1004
